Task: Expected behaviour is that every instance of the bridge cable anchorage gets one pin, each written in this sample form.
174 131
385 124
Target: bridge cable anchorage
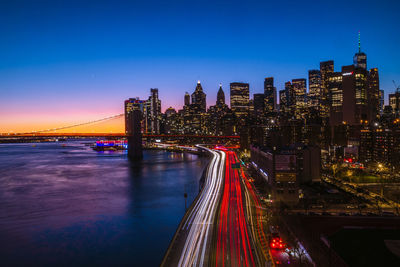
72 126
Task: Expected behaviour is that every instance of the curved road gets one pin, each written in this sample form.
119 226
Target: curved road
191 243
224 226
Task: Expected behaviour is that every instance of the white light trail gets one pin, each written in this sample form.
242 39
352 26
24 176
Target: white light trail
203 213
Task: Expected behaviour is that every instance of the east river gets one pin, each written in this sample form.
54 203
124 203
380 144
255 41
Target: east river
63 204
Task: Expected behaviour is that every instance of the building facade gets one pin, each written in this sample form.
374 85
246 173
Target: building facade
270 95
355 95
240 98
314 87
334 86
326 68
374 94
199 104
299 88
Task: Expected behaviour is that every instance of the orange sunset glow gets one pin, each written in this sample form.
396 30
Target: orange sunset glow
29 123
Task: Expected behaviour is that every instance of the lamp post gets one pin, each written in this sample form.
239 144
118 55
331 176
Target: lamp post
380 166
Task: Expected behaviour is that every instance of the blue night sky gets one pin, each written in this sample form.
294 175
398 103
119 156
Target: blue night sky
83 58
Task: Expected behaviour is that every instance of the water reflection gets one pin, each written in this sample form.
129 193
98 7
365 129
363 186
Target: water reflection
64 204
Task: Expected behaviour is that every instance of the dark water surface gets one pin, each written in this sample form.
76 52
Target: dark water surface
69 205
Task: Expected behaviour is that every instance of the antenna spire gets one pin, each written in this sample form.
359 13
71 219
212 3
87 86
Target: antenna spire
359 42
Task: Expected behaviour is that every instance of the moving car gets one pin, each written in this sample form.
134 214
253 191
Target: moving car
276 241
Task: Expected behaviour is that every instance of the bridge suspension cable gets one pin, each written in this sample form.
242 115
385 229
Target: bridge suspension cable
72 126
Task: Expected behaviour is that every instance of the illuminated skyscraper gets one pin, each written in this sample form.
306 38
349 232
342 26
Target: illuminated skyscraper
251 106
394 102
360 58
270 95
283 101
240 98
326 67
170 112
355 95
153 115
220 96
187 99
150 112
300 92
381 101
129 106
258 100
199 99
314 87
290 98
216 113
334 85
374 93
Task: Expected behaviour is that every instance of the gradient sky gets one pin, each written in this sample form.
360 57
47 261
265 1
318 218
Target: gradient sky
63 62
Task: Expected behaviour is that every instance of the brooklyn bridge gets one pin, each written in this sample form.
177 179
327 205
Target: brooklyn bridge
84 130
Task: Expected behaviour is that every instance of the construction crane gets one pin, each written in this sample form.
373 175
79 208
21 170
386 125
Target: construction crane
397 87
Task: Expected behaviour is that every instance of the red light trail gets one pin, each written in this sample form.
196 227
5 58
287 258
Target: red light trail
233 243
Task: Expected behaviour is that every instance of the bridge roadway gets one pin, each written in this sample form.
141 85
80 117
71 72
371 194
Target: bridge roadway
223 226
170 136
175 138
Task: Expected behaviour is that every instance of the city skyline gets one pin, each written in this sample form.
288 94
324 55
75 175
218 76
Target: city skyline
199 133
44 75
118 127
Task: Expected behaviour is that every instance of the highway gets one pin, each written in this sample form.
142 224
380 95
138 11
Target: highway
240 235
192 241
225 225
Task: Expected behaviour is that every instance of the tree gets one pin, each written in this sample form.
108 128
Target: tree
297 253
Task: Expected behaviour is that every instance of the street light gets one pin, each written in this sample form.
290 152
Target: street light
380 167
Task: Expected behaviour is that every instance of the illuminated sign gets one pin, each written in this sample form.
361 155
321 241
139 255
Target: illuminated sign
347 73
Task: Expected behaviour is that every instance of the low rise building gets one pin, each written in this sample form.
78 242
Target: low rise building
286 169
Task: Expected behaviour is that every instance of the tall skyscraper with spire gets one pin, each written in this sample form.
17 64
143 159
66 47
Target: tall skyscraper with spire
220 96
360 58
199 99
